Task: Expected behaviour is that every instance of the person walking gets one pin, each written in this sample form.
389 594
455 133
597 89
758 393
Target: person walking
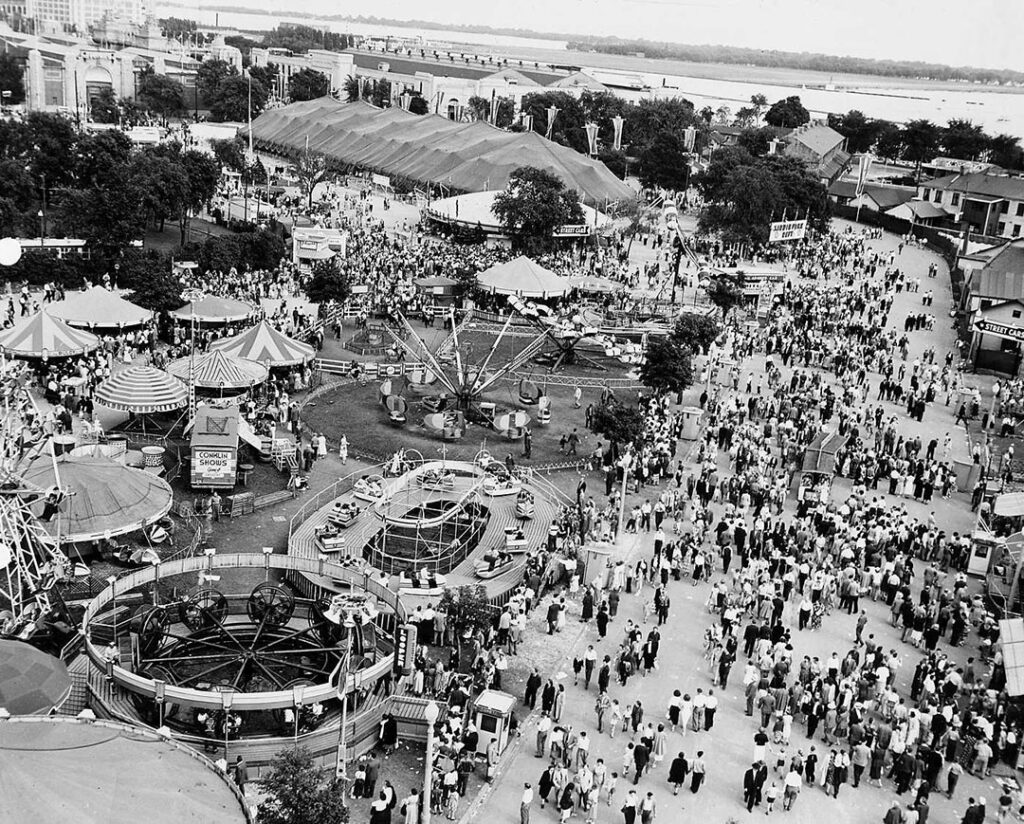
525 803
241 774
698 771
677 772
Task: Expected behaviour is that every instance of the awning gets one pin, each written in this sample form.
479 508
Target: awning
216 370
43 335
103 498
213 309
141 390
820 455
1011 639
31 681
265 344
523 277
1009 504
97 306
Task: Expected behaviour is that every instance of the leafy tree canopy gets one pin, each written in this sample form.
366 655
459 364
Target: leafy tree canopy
667 366
533 205
11 79
621 425
788 112
308 84
696 331
329 283
296 792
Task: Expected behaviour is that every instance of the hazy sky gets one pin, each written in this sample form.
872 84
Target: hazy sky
978 33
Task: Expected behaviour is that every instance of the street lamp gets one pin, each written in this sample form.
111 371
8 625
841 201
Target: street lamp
430 713
340 768
42 227
227 697
297 693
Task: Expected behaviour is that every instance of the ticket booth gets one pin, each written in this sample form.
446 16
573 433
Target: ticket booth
986 547
214 448
691 422
492 712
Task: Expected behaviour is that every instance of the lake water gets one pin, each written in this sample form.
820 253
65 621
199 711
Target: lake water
996 111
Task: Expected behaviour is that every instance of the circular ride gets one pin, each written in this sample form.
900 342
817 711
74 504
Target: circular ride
226 659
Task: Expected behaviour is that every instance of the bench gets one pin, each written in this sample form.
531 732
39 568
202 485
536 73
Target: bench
271 498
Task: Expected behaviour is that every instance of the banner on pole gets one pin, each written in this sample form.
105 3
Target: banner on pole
862 172
783 230
617 122
591 129
528 122
689 138
552 114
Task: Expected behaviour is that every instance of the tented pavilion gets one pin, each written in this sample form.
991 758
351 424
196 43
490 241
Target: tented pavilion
143 391
429 149
31 682
101 498
216 372
212 310
43 336
99 308
524 278
67 769
263 343
476 210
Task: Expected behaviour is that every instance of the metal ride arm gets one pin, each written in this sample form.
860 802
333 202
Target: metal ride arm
490 353
458 354
531 349
449 341
410 350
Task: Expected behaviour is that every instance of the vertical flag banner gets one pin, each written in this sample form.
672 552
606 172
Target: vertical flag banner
528 122
494 107
617 122
862 172
689 138
591 129
552 114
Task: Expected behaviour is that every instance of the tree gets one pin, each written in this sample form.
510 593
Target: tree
231 101
230 152
202 173
533 205
328 283
154 288
788 113
103 107
308 84
756 141
697 332
380 93
621 425
920 140
1005 151
664 162
99 157
266 76
860 132
964 140
310 170
726 291
209 77
569 121
295 792
468 608
667 366
11 83
353 89
418 105
889 142
162 95
758 102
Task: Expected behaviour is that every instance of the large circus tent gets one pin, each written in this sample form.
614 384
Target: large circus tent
523 277
264 344
44 336
468 157
216 371
142 390
102 498
213 309
98 307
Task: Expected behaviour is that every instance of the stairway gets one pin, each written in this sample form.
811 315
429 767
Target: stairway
78 698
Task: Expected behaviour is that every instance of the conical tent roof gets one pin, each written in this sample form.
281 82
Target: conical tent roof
31 681
103 499
265 344
217 370
97 306
213 309
41 335
142 390
523 277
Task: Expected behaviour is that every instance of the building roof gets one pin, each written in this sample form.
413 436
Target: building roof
979 183
888 197
1002 277
473 70
843 189
921 209
834 166
578 80
817 137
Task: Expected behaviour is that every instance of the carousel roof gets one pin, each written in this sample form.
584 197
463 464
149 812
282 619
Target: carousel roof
265 344
218 370
30 680
142 390
523 277
103 497
97 306
213 309
43 334
65 769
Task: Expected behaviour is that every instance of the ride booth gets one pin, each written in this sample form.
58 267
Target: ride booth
492 714
214 448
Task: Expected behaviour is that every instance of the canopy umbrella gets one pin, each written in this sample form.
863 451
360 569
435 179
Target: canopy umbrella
594 283
31 682
216 370
97 306
265 344
44 336
213 309
65 769
141 390
523 277
102 498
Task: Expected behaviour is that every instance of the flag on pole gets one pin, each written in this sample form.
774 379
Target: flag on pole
689 138
617 122
591 129
862 172
528 122
552 114
494 107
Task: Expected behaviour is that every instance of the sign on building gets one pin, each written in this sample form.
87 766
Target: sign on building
783 230
1007 331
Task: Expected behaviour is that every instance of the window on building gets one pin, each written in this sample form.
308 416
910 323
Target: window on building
955 201
1015 313
1009 346
1016 230
1002 227
1020 210
1004 207
938 196
984 304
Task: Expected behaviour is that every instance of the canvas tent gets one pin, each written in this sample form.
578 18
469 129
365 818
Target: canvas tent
264 344
97 306
469 157
523 277
217 371
44 336
213 309
141 390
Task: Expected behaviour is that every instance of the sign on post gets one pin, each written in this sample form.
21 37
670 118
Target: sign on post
783 230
